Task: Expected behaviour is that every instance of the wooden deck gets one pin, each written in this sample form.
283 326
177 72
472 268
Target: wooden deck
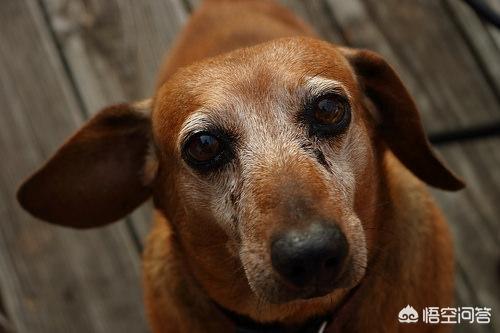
62 60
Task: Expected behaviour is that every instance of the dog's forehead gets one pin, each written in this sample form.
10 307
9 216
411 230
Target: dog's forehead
259 74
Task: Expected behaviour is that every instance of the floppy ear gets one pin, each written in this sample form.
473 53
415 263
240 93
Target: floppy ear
96 177
399 121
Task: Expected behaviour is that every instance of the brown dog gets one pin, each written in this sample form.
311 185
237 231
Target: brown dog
287 177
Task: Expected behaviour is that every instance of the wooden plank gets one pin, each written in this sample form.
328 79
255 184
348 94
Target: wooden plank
5 325
473 215
465 295
482 39
52 279
431 56
316 14
495 33
113 49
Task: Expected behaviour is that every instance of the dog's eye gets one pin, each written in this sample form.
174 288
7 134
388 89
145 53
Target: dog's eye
328 110
328 114
203 147
205 151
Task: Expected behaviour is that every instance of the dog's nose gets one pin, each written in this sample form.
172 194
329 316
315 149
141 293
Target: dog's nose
315 255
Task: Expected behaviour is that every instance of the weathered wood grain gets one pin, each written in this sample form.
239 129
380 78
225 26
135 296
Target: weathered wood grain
317 15
474 216
5 325
52 279
495 33
483 40
465 295
113 50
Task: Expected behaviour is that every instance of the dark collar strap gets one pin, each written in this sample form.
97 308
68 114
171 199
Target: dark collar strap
245 324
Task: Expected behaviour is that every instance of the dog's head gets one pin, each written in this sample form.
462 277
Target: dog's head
266 161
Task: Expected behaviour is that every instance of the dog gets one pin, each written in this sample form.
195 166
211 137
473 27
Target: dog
287 175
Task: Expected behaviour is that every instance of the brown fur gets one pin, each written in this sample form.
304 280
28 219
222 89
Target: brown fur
244 64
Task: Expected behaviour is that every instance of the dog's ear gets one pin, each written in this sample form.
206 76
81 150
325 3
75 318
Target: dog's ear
399 120
96 177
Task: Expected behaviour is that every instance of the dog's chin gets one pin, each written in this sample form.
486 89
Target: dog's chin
274 291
